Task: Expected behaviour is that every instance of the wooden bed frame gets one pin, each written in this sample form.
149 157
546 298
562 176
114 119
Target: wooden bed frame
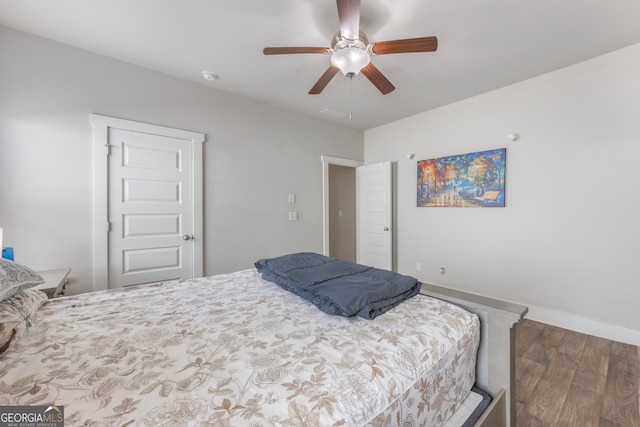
495 370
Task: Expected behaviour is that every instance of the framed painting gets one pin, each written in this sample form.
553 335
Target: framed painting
473 180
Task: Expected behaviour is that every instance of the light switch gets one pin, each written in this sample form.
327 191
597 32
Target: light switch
292 198
293 216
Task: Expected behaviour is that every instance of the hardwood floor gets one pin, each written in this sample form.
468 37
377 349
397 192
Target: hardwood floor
564 378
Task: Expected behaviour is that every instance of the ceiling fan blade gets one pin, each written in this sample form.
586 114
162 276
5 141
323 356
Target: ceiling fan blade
349 15
378 79
288 50
420 44
324 80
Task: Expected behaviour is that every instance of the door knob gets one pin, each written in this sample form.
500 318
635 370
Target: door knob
186 237
386 229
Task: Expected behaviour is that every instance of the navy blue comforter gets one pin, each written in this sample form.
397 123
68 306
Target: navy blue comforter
339 287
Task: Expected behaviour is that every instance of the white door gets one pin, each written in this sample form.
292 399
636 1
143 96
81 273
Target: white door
375 236
153 204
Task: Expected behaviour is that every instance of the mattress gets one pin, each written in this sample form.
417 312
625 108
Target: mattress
236 350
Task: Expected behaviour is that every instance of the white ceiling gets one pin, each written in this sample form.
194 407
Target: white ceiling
483 44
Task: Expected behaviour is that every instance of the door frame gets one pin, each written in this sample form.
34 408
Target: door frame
326 161
101 125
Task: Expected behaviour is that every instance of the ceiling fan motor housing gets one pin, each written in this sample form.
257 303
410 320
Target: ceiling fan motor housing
350 56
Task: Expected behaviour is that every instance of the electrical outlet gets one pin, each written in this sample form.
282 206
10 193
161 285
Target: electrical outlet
442 269
293 216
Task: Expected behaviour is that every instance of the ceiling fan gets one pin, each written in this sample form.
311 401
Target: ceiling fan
351 50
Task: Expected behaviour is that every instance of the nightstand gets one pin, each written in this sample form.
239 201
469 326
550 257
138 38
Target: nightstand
54 282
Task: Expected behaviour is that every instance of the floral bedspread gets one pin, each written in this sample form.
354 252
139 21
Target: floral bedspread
235 350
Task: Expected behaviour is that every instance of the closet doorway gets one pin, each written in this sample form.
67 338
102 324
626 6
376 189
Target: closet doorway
338 179
357 217
342 212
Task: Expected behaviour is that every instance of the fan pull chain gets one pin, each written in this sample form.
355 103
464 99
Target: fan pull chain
350 96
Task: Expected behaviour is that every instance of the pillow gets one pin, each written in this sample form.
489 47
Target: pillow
15 277
17 312
27 302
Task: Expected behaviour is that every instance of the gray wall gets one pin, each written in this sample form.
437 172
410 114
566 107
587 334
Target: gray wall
568 242
255 155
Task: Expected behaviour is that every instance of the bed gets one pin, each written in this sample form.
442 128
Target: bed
236 350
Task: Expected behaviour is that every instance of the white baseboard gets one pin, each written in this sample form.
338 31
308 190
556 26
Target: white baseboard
583 325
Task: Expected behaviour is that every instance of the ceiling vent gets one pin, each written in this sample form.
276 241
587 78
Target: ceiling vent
334 114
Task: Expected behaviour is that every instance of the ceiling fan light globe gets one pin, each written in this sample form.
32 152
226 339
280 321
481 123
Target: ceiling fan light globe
350 60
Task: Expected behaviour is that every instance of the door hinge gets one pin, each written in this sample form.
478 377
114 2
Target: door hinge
108 226
108 147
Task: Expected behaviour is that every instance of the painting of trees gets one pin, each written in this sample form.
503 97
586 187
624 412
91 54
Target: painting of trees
466 180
